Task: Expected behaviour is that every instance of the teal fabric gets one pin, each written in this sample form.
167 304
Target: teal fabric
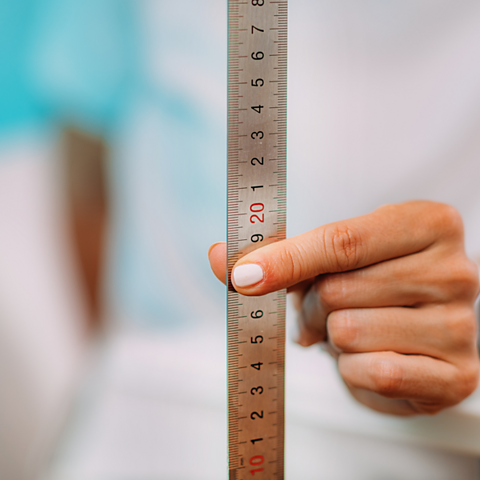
20 107
138 73
170 175
65 60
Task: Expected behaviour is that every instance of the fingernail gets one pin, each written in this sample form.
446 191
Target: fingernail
247 275
303 342
302 337
295 331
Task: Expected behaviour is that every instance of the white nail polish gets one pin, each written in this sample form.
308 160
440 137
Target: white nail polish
247 275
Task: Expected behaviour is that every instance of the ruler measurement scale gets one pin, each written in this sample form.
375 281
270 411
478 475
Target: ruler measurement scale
257 103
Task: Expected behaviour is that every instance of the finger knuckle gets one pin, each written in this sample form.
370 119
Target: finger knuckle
467 381
449 219
342 246
331 291
455 278
342 330
388 377
468 278
461 328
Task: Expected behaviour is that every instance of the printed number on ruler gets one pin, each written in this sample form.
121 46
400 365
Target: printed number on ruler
256 217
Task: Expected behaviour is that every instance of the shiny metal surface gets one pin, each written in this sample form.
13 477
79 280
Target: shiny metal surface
257 115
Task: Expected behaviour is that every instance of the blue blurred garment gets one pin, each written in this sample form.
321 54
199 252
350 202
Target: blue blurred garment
19 105
170 170
156 90
66 60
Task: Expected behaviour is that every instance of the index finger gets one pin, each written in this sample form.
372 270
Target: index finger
391 231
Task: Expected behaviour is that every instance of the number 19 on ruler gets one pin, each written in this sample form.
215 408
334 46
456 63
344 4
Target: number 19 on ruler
257 122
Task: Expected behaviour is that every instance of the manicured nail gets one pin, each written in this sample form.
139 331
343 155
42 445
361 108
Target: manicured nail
247 275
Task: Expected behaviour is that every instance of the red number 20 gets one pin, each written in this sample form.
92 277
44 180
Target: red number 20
257 208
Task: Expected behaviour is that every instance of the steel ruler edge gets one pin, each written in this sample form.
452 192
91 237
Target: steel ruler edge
257 150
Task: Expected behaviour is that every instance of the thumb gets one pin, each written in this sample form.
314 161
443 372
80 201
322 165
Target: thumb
389 232
217 255
284 264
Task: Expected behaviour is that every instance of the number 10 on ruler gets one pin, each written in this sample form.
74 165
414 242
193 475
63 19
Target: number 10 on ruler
257 100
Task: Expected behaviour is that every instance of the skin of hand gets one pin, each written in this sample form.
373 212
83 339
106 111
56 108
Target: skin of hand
391 293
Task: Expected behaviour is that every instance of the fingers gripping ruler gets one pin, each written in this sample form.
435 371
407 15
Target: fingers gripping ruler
257 122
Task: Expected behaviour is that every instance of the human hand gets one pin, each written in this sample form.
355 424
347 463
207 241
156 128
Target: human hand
391 292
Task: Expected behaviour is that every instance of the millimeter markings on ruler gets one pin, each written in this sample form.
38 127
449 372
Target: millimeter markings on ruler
257 128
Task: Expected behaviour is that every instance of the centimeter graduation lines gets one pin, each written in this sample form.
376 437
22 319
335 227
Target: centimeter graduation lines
257 126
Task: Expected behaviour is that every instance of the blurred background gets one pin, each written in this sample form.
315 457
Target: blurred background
111 116
112 188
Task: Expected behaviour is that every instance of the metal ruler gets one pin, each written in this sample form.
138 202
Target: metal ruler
257 122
